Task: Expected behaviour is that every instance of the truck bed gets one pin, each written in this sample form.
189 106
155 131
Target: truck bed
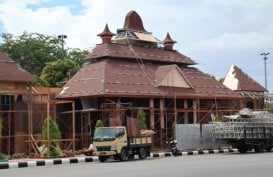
140 140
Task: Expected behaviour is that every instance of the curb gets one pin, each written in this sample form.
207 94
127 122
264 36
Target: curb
33 163
73 160
199 152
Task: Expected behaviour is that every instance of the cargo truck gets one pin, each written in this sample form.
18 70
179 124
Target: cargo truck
120 143
245 130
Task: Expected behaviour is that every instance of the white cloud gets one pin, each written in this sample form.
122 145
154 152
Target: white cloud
234 41
209 30
244 3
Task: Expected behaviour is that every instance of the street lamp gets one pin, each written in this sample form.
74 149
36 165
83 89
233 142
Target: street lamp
62 37
265 73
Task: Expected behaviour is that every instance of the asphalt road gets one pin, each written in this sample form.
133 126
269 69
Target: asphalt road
220 165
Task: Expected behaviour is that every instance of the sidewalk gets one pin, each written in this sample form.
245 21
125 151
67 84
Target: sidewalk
23 163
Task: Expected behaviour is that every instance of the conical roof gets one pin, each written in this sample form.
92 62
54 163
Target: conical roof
134 22
106 32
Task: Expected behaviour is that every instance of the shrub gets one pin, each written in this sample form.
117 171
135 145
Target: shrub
54 134
98 124
141 117
1 127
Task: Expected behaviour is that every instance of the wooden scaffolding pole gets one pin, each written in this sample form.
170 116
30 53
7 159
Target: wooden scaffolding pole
73 128
48 114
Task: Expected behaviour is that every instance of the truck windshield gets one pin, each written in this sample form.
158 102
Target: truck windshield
104 134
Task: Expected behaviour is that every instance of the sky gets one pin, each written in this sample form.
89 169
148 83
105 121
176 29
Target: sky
214 33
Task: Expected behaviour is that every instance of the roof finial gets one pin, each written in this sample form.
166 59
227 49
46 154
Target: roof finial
106 35
168 42
133 21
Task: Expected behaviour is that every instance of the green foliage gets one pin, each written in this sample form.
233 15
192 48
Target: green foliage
218 117
57 73
1 128
173 129
2 156
98 124
34 51
221 80
141 117
78 56
54 134
270 108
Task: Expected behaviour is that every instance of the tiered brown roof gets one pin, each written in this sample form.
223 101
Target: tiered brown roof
117 78
11 72
134 69
120 51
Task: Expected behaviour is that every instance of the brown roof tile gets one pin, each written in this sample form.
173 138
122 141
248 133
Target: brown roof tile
134 52
123 78
205 85
133 22
238 80
106 32
132 68
11 72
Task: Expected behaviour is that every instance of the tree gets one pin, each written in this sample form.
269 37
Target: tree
1 127
57 73
54 134
141 117
98 124
34 51
221 80
77 55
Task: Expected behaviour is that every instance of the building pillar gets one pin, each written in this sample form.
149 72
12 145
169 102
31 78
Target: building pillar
161 117
161 113
195 111
186 115
118 110
175 110
152 114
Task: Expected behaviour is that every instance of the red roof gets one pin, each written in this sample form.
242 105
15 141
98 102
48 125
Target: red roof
11 72
238 80
120 51
131 79
106 32
134 66
133 22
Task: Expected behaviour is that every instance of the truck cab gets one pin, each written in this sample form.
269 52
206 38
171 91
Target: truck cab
115 142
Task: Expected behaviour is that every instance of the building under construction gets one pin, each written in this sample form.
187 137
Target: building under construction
129 70
132 69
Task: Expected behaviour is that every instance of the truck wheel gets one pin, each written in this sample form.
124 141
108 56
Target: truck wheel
142 153
102 158
259 147
268 149
123 155
242 148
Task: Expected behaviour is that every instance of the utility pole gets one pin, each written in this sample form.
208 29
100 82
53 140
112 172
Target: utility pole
265 77
62 37
265 72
